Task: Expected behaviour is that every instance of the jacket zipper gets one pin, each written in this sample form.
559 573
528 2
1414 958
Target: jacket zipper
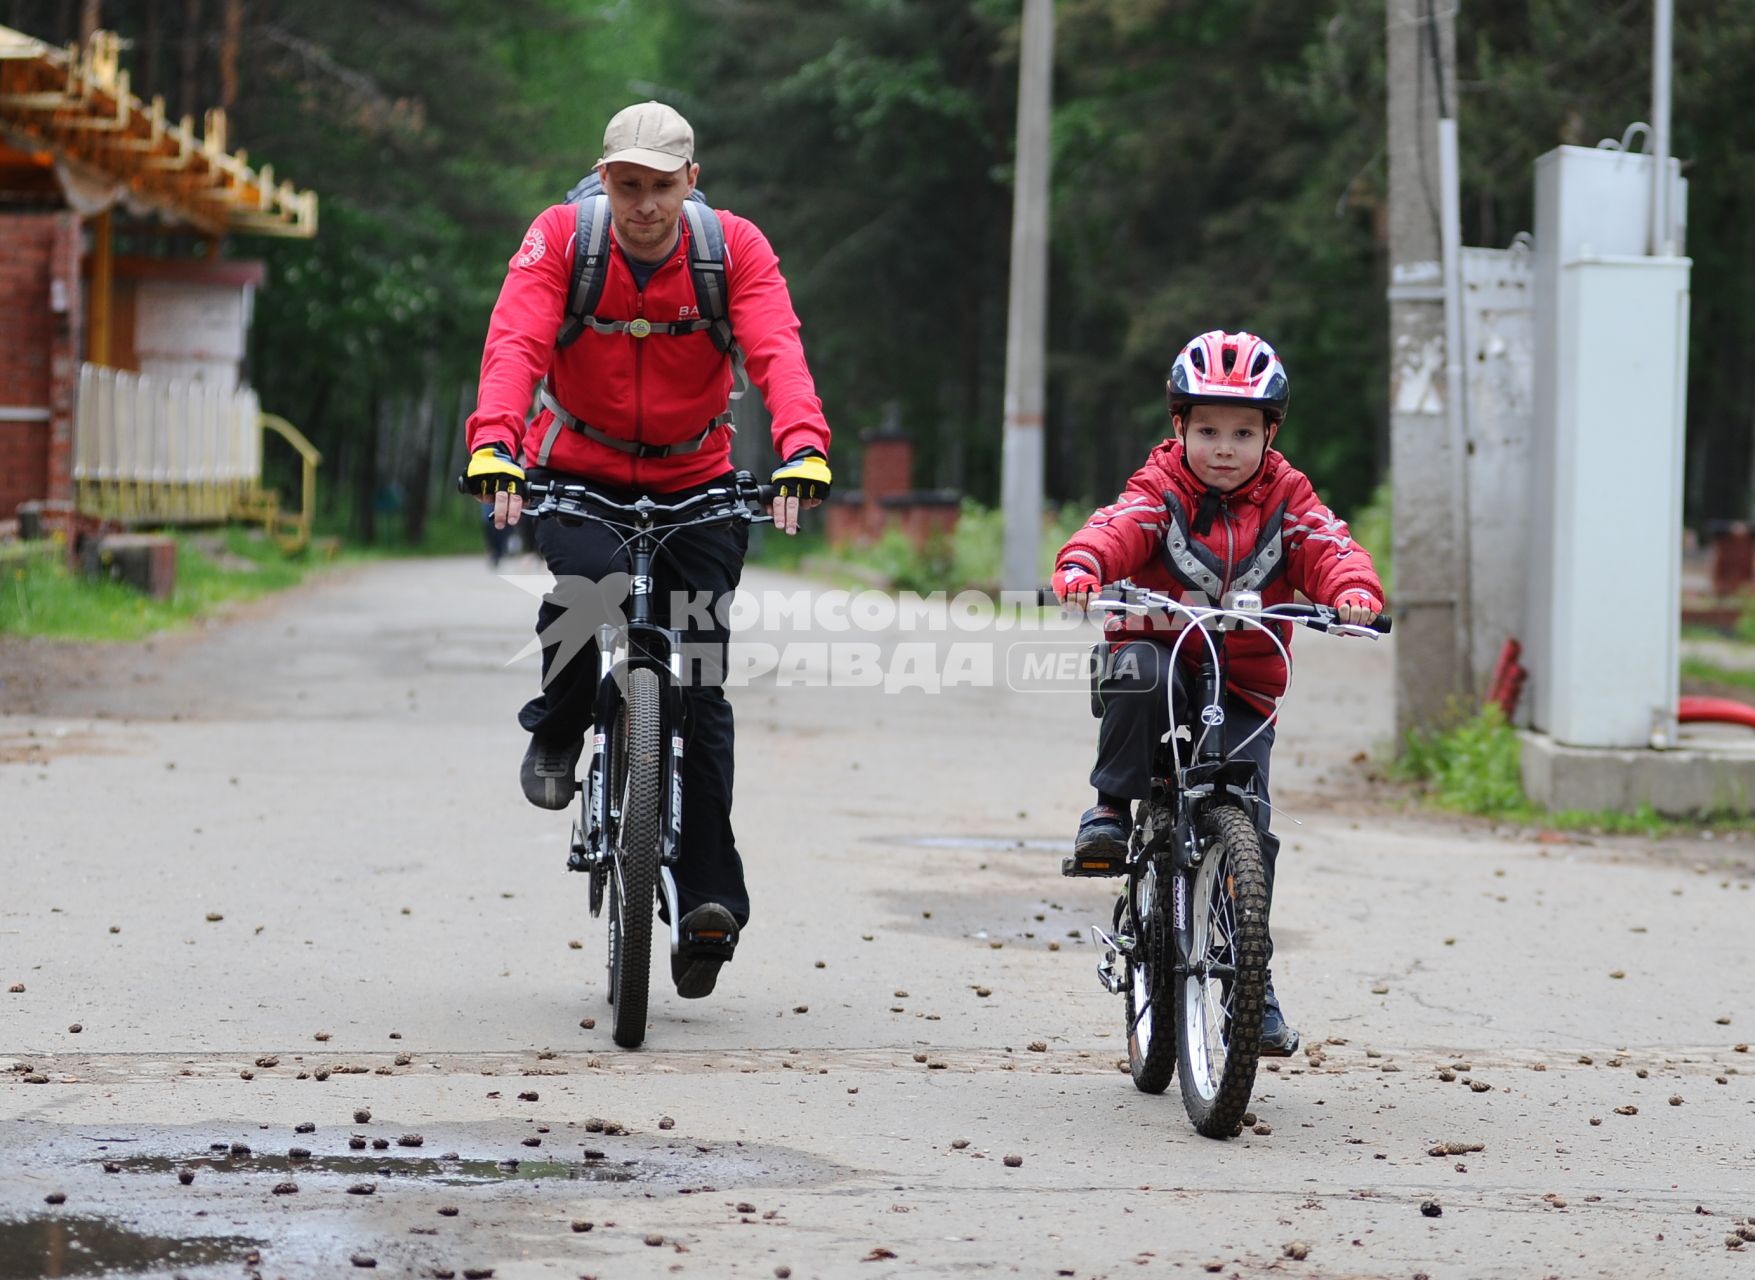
1230 548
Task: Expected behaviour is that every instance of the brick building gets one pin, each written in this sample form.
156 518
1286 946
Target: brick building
887 497
119 393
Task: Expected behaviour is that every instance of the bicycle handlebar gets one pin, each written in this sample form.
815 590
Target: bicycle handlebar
1318 617
550 497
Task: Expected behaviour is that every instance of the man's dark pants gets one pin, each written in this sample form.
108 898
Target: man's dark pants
1136 717
702 567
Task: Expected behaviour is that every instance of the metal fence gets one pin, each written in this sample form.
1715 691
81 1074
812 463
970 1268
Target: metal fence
147 448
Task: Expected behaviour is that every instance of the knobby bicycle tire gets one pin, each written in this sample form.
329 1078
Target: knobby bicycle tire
1218 1022
634 886
1151 990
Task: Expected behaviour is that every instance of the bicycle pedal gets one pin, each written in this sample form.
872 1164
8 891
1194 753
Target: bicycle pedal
704 943
1094 865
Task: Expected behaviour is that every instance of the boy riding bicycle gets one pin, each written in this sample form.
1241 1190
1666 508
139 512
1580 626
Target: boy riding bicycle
1214 509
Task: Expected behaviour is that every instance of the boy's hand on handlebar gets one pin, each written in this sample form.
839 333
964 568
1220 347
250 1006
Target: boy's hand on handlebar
1358 606
1074 585
497 479
800 483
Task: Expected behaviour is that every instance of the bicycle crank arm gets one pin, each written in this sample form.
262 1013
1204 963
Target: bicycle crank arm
667 886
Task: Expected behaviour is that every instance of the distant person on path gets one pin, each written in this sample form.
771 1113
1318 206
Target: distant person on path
623 305
495 535
1215 508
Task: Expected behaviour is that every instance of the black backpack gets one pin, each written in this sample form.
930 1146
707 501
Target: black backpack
590 267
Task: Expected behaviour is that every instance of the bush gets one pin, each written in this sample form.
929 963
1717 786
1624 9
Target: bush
1475 767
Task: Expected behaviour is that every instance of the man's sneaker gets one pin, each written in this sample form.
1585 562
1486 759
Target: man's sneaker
547 773
1100 848
1278 1038
708 936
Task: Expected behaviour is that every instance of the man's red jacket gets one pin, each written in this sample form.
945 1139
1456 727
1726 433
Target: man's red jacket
1271 535
657 390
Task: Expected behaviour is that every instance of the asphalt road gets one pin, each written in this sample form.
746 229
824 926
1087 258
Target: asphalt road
277 872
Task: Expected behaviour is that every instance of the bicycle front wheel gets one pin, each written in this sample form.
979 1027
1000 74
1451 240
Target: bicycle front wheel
1151 993
634 883
1220 999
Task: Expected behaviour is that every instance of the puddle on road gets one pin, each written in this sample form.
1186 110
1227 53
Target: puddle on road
435 1170
71 1245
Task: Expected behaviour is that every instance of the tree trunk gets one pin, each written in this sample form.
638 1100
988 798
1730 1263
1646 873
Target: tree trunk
231 38
189 88
365 491
416 462
153 39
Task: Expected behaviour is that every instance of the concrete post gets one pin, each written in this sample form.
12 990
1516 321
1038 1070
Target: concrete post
1027 317
1429 567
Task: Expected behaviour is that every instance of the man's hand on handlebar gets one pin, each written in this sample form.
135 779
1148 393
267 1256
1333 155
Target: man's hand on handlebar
1075 584
800 483
496 479
1358 606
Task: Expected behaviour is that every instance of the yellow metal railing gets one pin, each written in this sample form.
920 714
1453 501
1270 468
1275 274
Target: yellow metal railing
293 533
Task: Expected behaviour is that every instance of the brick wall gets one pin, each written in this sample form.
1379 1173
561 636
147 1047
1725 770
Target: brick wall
39 354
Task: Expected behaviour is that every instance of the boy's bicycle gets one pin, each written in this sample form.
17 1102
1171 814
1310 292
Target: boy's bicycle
627 839
1189 943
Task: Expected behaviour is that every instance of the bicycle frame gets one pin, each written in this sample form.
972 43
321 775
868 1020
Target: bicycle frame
639 643
1211 772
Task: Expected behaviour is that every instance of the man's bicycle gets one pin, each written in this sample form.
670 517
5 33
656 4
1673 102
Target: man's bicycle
627 837
1188 946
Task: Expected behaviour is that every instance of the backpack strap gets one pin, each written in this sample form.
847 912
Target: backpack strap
710 265
590 265
561 419
709 269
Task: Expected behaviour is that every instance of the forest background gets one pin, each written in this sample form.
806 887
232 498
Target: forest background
1214 165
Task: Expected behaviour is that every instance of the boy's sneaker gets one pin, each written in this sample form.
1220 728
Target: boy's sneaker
1278 1038
547 772
1100 848
708 939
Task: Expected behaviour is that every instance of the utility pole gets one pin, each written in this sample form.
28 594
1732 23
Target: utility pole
1426 455
1027 315
1663 238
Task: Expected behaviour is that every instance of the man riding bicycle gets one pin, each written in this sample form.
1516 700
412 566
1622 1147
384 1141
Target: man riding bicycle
634 351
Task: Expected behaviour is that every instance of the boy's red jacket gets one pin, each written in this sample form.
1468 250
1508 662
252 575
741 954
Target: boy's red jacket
1271 535
661 389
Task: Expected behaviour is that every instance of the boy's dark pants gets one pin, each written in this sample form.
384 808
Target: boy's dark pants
700 566
1136 718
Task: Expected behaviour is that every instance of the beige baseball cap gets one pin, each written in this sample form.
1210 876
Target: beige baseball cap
650 134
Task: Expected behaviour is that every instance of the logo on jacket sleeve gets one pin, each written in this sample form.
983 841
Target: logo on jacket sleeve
530 253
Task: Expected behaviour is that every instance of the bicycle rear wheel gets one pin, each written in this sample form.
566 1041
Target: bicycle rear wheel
1220 1000
634 884
1151 993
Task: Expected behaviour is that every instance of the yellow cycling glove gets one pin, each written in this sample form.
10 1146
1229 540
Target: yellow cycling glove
804 475
492 468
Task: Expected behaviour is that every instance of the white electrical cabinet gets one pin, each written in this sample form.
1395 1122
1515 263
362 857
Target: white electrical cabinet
1611 376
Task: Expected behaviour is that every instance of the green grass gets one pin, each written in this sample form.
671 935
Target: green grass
40 596
1476 767
1712 673
453 528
